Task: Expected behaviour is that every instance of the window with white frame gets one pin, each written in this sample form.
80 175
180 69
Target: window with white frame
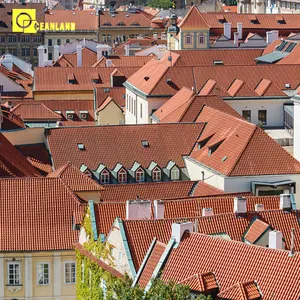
188 38
14 273
175 174
122 176
70 272
104 178
43 273
156 174
140 175
201 38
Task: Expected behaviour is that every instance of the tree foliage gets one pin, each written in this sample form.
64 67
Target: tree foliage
164 4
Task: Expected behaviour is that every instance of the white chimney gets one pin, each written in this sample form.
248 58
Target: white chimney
259 207
236 39
240 205
178 229
41 56
138 209
155 36
126 48
240 30
207 212
56 53
108 63
296 100
227 30
99 52
79 55
159 209
285 202
275 34
269 37
275 240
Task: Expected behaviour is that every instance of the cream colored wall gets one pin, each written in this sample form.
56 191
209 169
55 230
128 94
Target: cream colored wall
26 136
92 195
201 46
111 115
184 44
29 289
68 95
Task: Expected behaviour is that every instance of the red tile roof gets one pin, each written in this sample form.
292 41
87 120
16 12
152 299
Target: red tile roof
41 167
10 120
12 162
37 215
124 142
151 263
232 9
38 152
234 262
123 61
116 93
242 291
257 228
106 102
192 20
88 58
75 179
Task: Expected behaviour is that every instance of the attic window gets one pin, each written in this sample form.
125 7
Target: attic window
72 79
281 46
146 78
70 114
203 142
106 90
287 86
156 174
121 24
83 114
218 63
145 143
58 112
221 19
106 24
254 20
135 24
168 80
81 147
88 173
290 47
280 20
214 147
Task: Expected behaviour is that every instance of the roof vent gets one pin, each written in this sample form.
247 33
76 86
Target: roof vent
287 85
146 78
81 147
168 80
218 63
127 15
106 90
145 143
74 13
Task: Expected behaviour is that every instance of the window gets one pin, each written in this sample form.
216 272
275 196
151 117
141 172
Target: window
67 41
14 274
50 56
140 175
175 174
35 52
134 106
49 42
13 51
120 258
12 38
43 273
247 115
70 272
156 174
104 178
188 38
201 38
37 38
25 38
1 88
2 51
262 117
106 38
25 52
58 41
2 38
122 176
141 111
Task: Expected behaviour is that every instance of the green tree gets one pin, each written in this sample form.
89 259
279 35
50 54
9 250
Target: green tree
164 4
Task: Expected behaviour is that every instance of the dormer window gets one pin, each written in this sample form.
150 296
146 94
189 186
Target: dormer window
83 114
188 39
175 173
121 24
201 38
156 174
88 173
140 175
135 24
214 147
104 177
106 24
70 114
122 176
203 142
72 79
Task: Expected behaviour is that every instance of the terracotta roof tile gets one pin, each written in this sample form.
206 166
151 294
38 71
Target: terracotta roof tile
38 152
116 93
235 87
10 120
242 291
88 58
124 61
43 168
257 228
193 19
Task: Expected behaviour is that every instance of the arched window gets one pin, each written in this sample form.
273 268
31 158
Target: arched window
140 175
122 176
188 38
201 38
104 178
175 174
156 174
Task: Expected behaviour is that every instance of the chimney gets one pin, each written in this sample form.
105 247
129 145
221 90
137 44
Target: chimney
275 240
159 209
41 56
292 250
138 209
207 212
7 61
126 48
99 52
79 55
269 37
285 202
227 30
108 63
236 39
259 207
296 100
155 36
178 229
56 53
275 34
240 205
240 30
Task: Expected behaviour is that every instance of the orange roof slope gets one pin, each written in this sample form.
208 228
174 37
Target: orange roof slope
202 282
88 57
116 93
75 179
12 162
235 262
193 20
257 228
10 120
124 61
124 142
36 215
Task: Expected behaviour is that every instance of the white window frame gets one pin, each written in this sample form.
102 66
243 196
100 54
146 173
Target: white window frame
8 279
69 263
104 177
121 179
155 172
38 264
177 171
140 173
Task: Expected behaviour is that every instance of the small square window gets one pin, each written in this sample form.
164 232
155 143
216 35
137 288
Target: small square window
81 147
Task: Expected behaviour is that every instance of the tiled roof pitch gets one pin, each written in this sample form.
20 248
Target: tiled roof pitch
241 148
151 263
75 179
116 93
88 58
124 61
234 262
44 169
10 120
242 291
84 19
256 229
12 162
107 101
32 111
38 152
37 215
124 142
98 261
193 20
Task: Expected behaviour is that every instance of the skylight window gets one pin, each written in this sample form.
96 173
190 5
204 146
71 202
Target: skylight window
287 85
145 143
81 147
281 46
218 63
290 47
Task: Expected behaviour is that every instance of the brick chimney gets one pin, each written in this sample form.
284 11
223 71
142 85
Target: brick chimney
159 209
178 229
138 209
259 207
275 240
79 55
285 202
227 30
240 205
207 212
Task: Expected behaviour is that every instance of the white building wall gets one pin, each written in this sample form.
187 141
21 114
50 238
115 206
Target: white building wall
9 85
297 127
